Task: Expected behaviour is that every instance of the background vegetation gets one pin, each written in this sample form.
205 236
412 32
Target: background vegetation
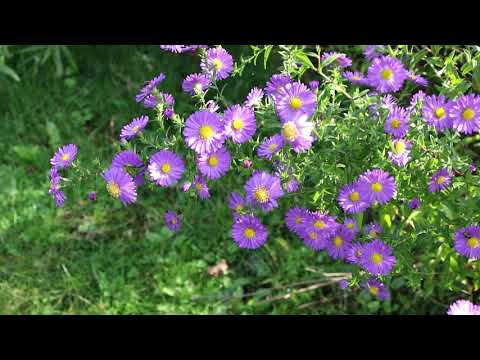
90 258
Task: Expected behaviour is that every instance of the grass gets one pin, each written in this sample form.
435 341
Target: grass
103 258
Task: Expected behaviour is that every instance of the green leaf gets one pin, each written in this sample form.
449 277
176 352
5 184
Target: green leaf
4 69
303 58
268 49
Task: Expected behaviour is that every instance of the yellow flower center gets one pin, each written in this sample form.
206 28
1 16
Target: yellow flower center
237 124
113 189
441 180
399 147
356 78
355 196
199 186
374 290
395 123
313 235
386 74
377 258
166 168
338 241
350 225
377 187
272 147
239 207
174 221
473 242
319 224
218 64
373 233
206 132
261 194
468 114
289 131
298 220
213 161
249 233
295 103
65 157
136 128
439 112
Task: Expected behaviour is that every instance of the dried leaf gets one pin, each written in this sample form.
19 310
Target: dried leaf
220 269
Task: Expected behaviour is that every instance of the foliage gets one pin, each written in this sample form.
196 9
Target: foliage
103 258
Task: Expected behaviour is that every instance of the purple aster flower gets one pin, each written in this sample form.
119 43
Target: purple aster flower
149 87
135 127
247 164
120 185
218 62
292 185
355 77
196 83
377 258
323 224
59 197
127 158
201 187
400 155
373 230
172 220
254 97
463 307
436 112
417 79
65 156
240 123
204 132
386 74
295 218
249 233
467 242
169 113
313 85
419 96
165 168
294 101
341 59
128 161
186 186
377 185
414 203
237 202
270 146
351 225
389 101
214 165
354 253
397 122
370 51
343 284
92 196
339 243
298 134
263 190
377 289
472 168
465 114
440 180
351 199
178 49
212 106
276 83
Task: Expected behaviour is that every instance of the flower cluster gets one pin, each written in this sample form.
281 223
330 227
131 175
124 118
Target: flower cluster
219 136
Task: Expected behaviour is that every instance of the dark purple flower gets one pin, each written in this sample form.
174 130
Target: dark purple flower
414 203
263 190
377 258
467 242
173 221
249 233
65 156
92 196
386 74
440 180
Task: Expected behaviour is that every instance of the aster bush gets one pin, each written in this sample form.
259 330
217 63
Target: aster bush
359 163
